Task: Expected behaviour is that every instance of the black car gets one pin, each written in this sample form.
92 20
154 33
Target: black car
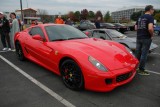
121 28
108 26
86 25
109 34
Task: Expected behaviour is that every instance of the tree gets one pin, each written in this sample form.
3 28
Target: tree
43 14
99 14
156 11
84 14
157 17
91 15
77 15
107 17
71 15
136 15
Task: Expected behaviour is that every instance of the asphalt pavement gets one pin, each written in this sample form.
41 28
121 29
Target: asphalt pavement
42 88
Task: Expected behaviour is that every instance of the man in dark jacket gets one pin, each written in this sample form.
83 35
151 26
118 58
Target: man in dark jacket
4 32
97 23
145 29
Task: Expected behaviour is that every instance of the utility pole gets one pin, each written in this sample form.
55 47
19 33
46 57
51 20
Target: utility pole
21 13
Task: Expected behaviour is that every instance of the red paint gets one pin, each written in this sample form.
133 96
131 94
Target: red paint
112 55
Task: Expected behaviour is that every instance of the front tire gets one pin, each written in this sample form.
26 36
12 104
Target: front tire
19 52
71 75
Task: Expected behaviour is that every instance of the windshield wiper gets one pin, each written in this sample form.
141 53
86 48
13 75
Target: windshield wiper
77 38
59 39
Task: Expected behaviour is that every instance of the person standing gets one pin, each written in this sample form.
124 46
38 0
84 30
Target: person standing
97 23
69 22
59 20
145 31
14 28
4 32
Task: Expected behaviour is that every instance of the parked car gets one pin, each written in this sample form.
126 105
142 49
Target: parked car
108 34
157 30
130 26
84 25
108 26
121 28
82 62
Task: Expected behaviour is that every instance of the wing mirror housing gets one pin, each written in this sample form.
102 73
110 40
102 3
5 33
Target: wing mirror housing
38 37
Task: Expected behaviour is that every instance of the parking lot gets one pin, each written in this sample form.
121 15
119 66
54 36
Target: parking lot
25 84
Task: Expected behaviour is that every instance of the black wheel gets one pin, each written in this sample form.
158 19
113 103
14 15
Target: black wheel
19 52
71 75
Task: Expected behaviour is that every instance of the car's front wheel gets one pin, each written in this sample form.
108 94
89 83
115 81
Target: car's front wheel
72 75
19 51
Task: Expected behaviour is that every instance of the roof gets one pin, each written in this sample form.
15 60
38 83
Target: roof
32 18
27 9
132 7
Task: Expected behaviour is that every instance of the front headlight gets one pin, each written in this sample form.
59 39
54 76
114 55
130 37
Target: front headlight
97 64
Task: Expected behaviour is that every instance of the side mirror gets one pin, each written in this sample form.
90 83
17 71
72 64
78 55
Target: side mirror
38 37
86 33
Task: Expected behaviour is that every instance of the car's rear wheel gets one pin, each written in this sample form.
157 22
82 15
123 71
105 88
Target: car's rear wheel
19 52
71 75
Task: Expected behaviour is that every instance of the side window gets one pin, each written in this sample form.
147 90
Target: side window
99 34
96 34
35 31
108 37
83 25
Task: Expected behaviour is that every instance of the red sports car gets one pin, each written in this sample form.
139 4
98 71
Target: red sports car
82 62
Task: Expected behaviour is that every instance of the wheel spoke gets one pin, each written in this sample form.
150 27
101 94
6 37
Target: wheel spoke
71 75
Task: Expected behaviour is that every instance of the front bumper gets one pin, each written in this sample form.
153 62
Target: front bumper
104 82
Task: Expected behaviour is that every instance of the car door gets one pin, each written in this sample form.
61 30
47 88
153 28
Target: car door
101 34
38 48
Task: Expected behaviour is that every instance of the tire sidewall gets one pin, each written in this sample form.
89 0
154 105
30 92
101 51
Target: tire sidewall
81 86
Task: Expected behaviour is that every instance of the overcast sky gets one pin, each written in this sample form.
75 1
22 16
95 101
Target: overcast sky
64 6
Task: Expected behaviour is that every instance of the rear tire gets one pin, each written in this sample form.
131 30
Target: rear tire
19 52
71 75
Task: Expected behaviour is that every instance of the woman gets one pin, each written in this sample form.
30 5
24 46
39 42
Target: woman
14 28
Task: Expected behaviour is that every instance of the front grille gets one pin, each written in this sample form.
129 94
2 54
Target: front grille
123 77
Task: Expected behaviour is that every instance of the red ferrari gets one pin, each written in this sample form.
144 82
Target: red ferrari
82 62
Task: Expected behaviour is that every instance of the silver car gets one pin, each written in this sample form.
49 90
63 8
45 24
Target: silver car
109 34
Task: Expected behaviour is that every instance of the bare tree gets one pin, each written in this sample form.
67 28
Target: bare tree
43 14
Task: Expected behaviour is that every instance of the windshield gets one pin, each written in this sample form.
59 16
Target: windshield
116 34
118 24
63 32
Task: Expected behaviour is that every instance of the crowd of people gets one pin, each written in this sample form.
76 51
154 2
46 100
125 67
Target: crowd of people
8 28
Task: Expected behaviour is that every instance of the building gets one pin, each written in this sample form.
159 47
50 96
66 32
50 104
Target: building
29 14
125 13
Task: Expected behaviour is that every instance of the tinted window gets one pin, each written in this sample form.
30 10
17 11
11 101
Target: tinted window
63 32
118 24
83 25
35 31
101 34
115 34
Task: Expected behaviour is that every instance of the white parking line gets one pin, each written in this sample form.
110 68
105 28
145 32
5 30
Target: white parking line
49 91
7 51
153 72
3 51
155 53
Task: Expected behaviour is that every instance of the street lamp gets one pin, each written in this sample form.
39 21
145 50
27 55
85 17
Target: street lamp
21 13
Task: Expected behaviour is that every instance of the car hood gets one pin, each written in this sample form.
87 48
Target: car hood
126 39
131 42
110 54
